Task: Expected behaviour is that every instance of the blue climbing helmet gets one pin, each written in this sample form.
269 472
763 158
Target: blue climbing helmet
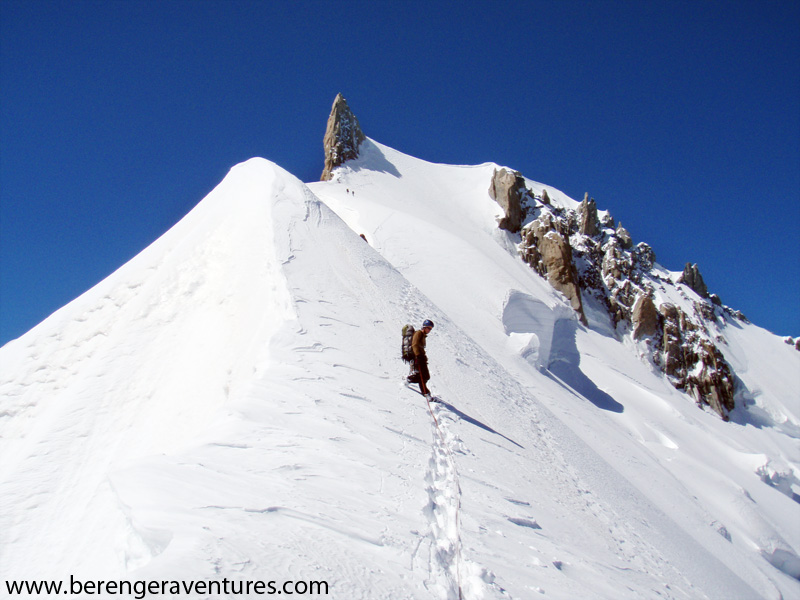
427 323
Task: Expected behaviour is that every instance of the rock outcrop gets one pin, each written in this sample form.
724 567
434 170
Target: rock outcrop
691 277
624 237
509 191
587 257
693 363
587 211
644 317
343 136
547 250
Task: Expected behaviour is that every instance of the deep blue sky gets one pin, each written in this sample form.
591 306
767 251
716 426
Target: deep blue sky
681 118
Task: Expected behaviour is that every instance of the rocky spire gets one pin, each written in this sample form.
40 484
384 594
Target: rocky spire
343 137
691 277
508 190
587 211
624 237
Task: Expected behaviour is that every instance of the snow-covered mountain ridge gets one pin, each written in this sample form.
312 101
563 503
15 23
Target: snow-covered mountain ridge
229 404
677 326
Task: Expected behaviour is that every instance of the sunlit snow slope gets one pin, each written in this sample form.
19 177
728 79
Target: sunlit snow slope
438 226
229 405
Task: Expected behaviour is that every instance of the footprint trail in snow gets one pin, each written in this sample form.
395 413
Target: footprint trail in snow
455 576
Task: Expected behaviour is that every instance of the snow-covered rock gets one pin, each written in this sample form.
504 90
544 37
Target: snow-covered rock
583 255
547 249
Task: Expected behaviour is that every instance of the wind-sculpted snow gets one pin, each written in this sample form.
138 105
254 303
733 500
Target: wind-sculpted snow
229 404
530 325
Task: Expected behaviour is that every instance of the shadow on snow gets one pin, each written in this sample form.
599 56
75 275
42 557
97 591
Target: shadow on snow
564 368
465 417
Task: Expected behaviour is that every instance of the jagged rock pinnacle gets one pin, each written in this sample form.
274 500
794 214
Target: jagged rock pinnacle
691 277
589 223
343 136
508 190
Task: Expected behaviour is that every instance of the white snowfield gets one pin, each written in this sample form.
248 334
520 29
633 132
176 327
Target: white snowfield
229 405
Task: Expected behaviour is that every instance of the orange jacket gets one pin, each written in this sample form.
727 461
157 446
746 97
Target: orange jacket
418 344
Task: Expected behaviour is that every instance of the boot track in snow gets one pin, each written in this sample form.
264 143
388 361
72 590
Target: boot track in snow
443 511
444 494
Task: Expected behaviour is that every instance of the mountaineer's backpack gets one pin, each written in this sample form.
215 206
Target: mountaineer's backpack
408 335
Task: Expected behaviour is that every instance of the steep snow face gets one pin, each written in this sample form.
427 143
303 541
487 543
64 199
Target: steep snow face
742 477
229 404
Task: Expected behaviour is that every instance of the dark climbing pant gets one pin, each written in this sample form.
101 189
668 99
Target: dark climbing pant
419 372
